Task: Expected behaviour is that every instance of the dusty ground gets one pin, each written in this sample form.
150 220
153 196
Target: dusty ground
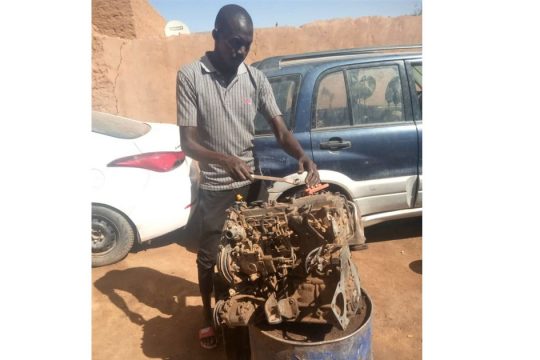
147 306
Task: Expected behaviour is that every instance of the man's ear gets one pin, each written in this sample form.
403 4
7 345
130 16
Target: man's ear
215 34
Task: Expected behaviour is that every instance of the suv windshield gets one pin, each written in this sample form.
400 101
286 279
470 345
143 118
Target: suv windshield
117 126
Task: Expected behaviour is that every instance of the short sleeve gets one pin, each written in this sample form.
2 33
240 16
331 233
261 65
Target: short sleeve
267 102
186 101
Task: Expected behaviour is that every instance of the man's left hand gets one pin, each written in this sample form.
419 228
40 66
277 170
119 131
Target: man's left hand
306 164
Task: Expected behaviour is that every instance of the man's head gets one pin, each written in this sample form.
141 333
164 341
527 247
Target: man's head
233 34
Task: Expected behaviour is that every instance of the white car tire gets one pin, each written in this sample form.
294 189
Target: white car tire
112 236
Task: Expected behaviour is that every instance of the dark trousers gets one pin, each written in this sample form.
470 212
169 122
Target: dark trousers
211 209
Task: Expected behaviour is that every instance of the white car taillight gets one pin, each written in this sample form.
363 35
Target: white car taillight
156 161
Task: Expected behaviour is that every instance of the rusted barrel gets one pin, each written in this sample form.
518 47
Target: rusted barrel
293 341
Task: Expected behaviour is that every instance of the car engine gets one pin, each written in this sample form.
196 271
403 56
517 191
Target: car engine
289 261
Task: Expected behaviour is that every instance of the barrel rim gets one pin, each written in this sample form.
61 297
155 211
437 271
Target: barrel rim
365 323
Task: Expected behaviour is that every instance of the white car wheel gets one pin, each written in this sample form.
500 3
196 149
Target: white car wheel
112 236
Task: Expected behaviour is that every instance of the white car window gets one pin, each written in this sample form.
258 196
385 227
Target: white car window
117 126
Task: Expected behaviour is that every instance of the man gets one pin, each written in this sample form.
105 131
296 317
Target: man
217 99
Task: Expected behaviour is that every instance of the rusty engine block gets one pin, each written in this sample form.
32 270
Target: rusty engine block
290 261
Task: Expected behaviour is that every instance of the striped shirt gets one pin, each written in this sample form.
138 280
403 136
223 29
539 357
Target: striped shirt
224 115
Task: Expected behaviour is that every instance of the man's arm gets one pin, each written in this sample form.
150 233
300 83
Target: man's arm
237 168
289 143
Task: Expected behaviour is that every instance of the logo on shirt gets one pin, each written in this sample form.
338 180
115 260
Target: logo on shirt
247 101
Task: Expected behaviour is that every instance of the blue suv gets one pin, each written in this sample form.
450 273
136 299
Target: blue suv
358 113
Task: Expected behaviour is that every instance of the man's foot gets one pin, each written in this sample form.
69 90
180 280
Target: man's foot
207 338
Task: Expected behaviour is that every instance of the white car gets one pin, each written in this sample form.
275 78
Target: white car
142 184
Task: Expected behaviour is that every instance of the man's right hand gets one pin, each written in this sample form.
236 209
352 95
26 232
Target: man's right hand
237 168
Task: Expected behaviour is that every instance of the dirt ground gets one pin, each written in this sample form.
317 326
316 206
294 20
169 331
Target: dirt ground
147 305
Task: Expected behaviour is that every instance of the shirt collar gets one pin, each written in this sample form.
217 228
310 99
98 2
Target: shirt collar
207 66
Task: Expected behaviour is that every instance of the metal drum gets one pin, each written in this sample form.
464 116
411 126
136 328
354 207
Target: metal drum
295 341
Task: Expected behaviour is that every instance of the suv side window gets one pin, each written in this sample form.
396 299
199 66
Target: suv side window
285 90
417 75
376 95
331 107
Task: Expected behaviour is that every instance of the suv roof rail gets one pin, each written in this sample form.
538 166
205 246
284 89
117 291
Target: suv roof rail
279 61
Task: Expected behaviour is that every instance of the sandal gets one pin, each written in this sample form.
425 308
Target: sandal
207 333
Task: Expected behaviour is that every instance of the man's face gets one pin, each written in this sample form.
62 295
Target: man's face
233 43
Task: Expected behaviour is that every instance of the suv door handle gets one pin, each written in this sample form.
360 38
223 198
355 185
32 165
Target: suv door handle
335 144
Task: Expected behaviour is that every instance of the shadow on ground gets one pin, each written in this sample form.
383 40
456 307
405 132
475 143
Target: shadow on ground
184 237
164 336
394 230
416 266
